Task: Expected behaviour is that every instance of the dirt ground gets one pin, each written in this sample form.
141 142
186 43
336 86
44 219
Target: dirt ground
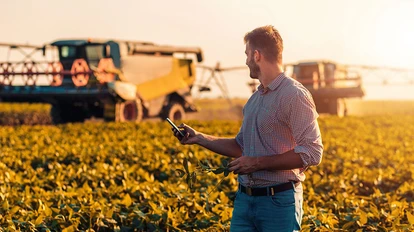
230 113
221 109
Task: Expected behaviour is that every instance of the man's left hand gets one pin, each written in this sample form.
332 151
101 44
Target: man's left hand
244 165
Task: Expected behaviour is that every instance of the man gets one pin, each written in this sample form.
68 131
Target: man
278 140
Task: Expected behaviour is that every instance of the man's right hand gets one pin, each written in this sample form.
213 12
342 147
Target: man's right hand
190 134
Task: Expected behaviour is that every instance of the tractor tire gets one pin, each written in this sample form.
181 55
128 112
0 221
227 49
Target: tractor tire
337 107
174 111
129 111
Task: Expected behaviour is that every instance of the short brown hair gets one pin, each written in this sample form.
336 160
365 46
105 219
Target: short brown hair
267 41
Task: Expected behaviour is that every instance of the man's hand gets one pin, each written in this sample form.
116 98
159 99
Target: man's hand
244 165
190 134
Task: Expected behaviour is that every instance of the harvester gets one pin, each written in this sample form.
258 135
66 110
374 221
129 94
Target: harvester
112 79
329 83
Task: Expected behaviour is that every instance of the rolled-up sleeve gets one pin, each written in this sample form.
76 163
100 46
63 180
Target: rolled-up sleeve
305 129
239 138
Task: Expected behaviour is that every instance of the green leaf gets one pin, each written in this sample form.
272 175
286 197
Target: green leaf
164 217
204 166
363 218
185 164
348 225
226 172
189 181
39 220
14 210
225 163
109 213
69 229
140 213
137 223
410 218
374 210
6 205
194 177
180 172
219 170
127 201
154 217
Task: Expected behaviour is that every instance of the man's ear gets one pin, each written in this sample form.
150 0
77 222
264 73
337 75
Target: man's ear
257 55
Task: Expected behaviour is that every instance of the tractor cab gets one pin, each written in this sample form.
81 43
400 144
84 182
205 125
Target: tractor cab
329 83
81 56
328 78
91 52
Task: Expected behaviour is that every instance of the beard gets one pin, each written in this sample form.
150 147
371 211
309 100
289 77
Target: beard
254 69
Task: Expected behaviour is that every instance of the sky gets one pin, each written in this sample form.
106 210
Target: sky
363 32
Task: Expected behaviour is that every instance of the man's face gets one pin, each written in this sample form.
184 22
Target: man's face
251 63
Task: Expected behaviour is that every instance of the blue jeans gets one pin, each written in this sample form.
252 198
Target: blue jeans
279 213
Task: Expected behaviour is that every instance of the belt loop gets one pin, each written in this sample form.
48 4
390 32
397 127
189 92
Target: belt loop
272 191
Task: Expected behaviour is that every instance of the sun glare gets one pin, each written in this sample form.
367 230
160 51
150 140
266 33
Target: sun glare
394 36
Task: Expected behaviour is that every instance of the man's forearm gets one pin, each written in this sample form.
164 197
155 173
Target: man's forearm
224 146
286 161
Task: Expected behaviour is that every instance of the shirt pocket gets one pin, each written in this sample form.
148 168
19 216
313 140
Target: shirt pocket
266 121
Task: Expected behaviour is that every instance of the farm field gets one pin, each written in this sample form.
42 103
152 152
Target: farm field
221 109
126 177
208 109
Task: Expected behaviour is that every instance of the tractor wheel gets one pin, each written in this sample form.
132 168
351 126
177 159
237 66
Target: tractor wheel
174 111
337 107
129 111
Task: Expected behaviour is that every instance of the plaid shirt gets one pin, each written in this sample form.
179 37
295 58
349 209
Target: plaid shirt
277 119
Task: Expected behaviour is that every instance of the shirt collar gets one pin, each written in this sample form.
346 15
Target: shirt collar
273 85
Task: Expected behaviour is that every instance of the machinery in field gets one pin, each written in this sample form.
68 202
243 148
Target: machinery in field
329 83
111 79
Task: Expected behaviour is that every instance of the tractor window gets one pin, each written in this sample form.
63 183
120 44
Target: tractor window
307 72
329 71
95 52
67 52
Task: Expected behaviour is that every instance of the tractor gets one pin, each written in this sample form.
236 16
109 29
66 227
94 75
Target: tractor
329 83
115 80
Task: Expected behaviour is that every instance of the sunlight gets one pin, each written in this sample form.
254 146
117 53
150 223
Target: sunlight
394 36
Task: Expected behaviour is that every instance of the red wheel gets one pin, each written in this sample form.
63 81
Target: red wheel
102 73
174 111
30 73
129 111
80 72
55 69
6 74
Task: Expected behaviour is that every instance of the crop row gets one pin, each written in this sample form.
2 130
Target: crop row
123 177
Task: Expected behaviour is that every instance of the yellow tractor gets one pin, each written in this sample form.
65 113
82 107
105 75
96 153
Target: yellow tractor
112 79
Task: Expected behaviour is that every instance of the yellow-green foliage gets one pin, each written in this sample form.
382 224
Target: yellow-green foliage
379 107
24 114
113 176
